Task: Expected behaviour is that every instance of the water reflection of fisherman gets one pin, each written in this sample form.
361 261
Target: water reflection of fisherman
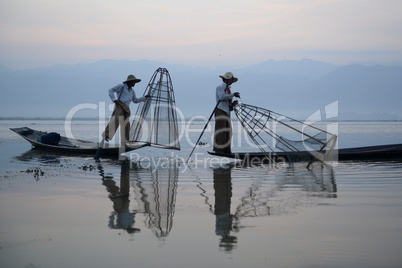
121 217
224 219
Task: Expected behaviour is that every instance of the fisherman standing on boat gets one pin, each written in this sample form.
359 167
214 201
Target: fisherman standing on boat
121 113
223 125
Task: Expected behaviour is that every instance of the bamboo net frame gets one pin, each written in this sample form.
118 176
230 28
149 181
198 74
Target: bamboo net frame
262 125
155 121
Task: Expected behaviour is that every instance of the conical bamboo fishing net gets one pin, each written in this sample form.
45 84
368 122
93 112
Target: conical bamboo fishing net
270 131
155 121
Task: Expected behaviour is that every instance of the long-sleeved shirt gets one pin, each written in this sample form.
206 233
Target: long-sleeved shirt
224 97
127 96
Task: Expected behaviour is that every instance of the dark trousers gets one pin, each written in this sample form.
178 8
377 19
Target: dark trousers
223 132
120 117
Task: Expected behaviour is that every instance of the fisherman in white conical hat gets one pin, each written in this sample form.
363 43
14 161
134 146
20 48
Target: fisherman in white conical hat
223 125
121 113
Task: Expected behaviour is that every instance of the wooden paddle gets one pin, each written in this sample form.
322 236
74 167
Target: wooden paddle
202 133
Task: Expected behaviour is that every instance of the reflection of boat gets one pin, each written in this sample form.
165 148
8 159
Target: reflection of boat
379 152
71 146
39 155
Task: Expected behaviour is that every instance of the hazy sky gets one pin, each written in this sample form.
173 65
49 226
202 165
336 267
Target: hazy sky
199 33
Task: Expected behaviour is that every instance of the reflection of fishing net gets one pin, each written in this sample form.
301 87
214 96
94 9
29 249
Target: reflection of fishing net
285 190
267 129
155 193
155 121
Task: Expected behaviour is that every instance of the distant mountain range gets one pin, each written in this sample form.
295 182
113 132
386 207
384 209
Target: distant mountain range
295 88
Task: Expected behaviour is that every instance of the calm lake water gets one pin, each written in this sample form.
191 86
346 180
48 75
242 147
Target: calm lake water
65 211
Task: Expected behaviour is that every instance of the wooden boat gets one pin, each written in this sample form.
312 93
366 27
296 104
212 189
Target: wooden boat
379 152
72 146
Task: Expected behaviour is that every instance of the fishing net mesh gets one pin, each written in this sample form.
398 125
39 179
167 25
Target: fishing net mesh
155 121
271 132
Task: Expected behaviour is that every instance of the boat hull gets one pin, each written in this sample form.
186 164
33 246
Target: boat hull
380 152
71 146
